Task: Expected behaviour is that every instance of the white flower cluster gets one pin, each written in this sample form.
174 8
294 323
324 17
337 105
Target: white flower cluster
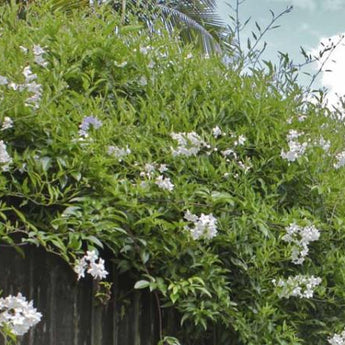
324 144
31 86
100 2
297 286
204 226
300 237
7 123
296 149
189 144
337 339
88 262
150 171
341 160
5 159
164 183
38 52
119 152
18 314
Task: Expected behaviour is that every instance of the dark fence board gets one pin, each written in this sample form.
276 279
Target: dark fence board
71 315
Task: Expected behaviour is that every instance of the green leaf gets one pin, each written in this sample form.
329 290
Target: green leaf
141 284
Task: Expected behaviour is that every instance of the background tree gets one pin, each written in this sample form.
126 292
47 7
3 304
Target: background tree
196 21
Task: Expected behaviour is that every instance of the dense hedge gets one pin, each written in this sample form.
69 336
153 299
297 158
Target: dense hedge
181 166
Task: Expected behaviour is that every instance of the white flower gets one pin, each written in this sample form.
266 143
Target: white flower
31 86
293 134
149 170
13 86
190 217
337 339
88 262
145 50
91 256
118 152
79 267
120 65
7 124
3 80
34 88
5 159
245 166
229 152
162 168
341 160
189 144
144 184
38 50
29 76
217 132
142 81
18 314
300 237
301 118
324 144
240 140
164 183
23 49
151 64
297 286
40 61
97 270
296 150
204 226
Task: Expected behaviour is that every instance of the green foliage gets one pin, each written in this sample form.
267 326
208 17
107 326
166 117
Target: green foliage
68 192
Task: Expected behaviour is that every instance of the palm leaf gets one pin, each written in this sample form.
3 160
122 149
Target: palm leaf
175 18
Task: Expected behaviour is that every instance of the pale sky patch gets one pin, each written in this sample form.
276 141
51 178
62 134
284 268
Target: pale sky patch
303 4
305 27
333 5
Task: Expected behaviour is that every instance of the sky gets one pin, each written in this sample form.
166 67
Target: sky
307 25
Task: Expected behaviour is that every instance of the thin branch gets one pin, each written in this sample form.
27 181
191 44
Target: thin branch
331 51
268 27
237 28
123 11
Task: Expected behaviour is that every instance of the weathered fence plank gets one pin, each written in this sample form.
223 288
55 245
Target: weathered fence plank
71 315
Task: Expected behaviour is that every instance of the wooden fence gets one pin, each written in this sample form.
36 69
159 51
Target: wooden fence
71 316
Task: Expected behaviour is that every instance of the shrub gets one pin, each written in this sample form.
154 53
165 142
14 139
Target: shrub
218 190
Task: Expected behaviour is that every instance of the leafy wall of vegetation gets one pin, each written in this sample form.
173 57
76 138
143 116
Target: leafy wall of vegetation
191 172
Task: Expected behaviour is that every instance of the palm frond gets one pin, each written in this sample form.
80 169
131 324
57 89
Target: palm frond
174 18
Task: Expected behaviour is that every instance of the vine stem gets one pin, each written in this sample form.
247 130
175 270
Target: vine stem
159 311
160 321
